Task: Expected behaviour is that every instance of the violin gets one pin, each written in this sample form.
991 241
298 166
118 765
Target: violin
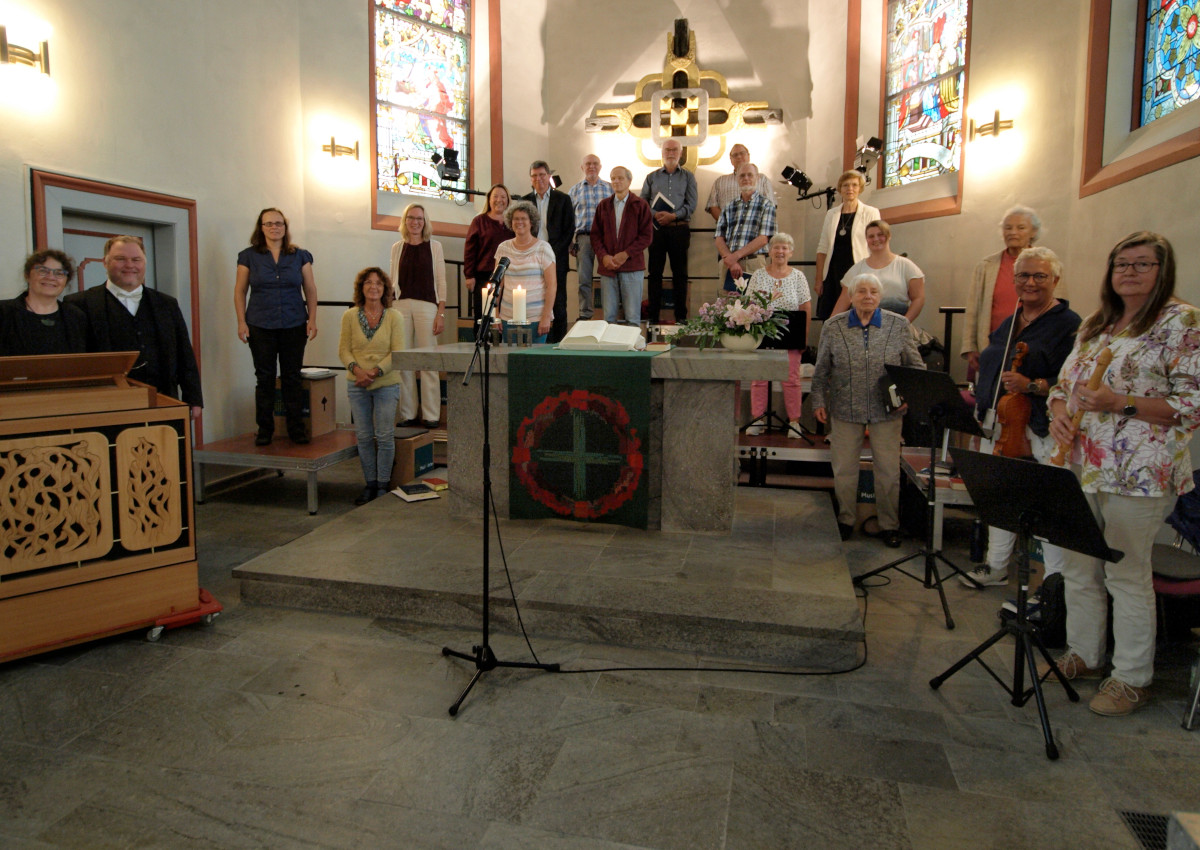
1012 415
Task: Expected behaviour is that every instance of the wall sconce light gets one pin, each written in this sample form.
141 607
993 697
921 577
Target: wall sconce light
335 150
14 54
991 128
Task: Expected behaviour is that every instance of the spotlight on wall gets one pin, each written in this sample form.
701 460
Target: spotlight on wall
447 165
991 128
14 54
335 150
803 185
555 181
867 156
797 178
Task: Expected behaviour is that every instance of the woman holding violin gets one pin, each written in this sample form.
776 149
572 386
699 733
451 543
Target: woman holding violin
1138 415
1016 371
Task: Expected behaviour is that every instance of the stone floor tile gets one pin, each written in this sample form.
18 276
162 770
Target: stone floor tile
622 793
962 821
504 836
772 805
477 771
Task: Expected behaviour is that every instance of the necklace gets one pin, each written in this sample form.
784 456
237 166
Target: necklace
846 219
1027 322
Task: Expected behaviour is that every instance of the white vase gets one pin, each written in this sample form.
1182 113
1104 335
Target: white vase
746 342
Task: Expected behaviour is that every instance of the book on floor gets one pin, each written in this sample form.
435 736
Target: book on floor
599 335
416 491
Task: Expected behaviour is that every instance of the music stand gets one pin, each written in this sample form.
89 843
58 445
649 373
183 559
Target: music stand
1028 498
935 394
795 338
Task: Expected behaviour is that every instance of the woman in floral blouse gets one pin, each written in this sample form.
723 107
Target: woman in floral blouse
1131 446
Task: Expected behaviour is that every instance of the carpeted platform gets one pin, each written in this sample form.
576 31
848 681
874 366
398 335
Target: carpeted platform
775 590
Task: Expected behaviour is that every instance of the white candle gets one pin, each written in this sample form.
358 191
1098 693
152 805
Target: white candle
519 306
487 296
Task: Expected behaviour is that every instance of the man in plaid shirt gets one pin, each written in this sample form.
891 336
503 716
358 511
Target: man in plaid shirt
585 194
746 225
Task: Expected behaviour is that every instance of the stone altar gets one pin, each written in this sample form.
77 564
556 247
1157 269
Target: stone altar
691 474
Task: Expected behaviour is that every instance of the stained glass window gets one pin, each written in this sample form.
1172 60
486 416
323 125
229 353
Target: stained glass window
422 84
925 80
1169 58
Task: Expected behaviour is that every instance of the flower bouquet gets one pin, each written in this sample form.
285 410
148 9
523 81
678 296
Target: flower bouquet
735 314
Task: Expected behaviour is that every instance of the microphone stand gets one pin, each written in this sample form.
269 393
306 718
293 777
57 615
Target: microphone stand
481 654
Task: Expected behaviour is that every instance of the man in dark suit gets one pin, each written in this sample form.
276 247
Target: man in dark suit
558 228
123 315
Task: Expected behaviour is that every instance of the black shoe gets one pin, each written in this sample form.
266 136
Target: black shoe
261 439
891 538
368 495
411 423
431 424
300 439
846 531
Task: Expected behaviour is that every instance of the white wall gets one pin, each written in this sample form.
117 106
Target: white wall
228 101
1037 74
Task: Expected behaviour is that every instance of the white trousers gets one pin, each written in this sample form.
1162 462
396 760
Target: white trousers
1000 542
1130 524
418 333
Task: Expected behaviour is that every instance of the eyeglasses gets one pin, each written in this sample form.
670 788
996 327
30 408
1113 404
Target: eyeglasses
1025 277
46 271
274 224
1141 267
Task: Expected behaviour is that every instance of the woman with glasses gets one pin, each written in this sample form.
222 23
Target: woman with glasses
279 320
419 272
36 322
1131 448
1046 325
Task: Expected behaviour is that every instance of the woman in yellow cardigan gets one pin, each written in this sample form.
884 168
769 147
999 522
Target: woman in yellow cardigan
370 333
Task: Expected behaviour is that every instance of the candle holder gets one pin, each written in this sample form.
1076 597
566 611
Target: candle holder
519 334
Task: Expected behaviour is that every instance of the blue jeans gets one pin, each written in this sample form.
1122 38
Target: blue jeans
374 413
624 290
585 261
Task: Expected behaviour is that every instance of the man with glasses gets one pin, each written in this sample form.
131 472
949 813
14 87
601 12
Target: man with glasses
671 193
558 229
585 195
124 315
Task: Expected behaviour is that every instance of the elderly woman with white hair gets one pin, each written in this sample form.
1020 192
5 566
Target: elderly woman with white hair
788 290
1046 325
993 298
850 392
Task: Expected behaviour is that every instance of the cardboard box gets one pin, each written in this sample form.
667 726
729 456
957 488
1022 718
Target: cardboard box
414 455
320 407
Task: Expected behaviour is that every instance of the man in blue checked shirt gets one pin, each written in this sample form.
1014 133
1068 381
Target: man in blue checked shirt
585 194
746 225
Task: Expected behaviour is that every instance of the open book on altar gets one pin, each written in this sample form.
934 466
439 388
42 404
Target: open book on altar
599 335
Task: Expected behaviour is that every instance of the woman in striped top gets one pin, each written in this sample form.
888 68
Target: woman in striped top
531 266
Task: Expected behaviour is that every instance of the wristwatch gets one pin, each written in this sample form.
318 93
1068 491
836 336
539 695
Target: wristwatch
1130 409
1033 387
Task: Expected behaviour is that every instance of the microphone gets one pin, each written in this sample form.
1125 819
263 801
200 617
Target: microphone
501 269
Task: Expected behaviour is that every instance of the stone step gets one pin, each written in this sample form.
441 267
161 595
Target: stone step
776 590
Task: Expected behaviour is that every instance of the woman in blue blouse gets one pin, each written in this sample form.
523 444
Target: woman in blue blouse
280 318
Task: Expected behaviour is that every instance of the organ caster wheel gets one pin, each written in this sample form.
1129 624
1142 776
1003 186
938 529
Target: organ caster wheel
154 633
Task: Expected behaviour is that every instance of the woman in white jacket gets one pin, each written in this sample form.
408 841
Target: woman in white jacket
843 240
